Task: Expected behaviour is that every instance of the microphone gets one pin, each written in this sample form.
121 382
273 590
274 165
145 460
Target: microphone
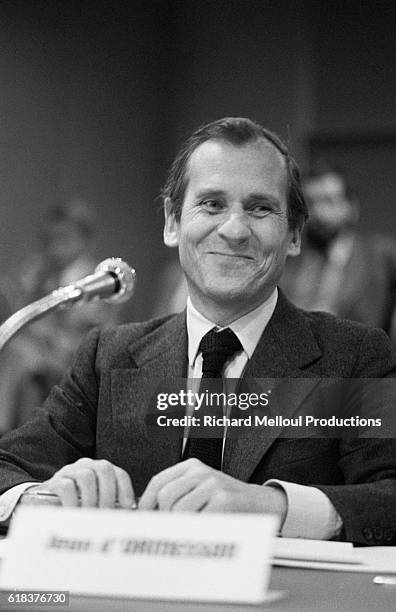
113 281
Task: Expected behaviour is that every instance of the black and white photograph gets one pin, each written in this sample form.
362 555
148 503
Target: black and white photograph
198 305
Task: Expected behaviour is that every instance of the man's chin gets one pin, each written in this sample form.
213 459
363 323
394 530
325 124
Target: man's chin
227 296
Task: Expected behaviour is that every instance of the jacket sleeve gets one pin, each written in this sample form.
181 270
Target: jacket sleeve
367 500
61 431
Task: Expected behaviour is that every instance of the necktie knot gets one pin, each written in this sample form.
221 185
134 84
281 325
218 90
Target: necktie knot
216 348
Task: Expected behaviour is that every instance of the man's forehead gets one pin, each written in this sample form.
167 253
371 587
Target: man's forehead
220 154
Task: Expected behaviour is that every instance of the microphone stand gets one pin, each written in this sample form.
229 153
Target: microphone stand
34 311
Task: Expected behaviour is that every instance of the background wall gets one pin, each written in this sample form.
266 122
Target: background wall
96 95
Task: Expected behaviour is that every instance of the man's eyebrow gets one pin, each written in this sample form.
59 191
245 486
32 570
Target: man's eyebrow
204 193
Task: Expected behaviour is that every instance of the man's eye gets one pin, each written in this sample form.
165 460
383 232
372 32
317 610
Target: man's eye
211 205
260 210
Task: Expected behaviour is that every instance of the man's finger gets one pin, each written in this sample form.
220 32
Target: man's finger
65 488
195 500
87 486
107 486
177 489
124 488
85 483
149 499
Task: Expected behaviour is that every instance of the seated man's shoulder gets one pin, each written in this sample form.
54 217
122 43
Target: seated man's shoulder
350 341
117 339
330 326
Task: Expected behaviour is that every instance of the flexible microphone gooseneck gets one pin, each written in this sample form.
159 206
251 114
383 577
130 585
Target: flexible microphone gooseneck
113 281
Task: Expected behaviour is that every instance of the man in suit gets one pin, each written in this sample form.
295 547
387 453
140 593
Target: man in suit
341 269
235 210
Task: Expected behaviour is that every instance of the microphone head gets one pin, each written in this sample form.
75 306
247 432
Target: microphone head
124 276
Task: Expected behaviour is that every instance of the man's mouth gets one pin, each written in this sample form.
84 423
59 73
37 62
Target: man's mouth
231 255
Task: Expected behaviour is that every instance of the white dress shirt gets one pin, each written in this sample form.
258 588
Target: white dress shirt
310 513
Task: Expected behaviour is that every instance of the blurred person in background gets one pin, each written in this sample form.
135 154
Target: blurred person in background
341 270
35 360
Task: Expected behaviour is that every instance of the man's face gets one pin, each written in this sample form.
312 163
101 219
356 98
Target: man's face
233 234
329 208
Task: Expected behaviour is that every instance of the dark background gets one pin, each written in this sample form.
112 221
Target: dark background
95 96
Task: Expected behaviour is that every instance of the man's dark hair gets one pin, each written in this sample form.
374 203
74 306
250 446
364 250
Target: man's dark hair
237 131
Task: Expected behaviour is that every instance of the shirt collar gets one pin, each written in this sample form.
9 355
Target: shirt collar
248 328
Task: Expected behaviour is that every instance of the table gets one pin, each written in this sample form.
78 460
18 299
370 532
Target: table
307 591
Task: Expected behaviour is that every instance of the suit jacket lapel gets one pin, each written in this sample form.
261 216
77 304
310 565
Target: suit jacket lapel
285 350
159 357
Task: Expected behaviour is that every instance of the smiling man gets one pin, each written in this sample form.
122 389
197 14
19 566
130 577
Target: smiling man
232 231
235 211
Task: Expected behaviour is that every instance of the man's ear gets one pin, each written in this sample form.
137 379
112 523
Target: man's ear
294 248
171 227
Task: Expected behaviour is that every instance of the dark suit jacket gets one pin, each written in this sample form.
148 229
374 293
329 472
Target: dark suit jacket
99 410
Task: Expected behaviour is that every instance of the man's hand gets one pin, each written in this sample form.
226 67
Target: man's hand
91 483
193 486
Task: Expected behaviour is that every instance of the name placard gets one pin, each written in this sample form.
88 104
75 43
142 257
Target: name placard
153 555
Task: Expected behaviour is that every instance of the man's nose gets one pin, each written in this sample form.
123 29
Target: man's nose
235 228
